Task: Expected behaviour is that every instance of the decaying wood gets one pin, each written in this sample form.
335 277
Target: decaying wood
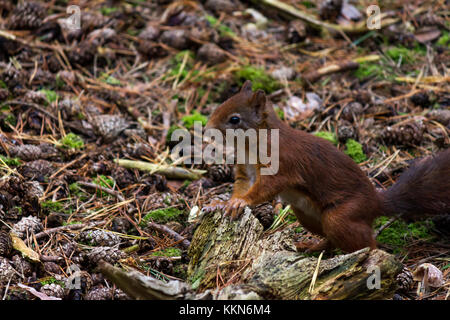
171 172
254 264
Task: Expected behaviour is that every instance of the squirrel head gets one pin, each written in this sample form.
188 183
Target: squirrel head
245 110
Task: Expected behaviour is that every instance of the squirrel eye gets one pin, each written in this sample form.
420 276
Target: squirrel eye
234 120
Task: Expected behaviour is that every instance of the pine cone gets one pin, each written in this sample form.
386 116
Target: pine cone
108 254
22 266
123 177
101 293
405 280
53 290
109 126
99 238
421 99
27 225
221 173
177 39
26 152
4 93
352 109
407 134
162 264
264 213
36 170
14 77
83 54
345 131
211 54
5 244
121 225
7 272
27 16
51 268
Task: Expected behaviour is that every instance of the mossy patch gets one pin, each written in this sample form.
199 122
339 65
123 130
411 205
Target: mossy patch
10 162
72 141
180 71
355 150
103 181
221 28
444 40
400 233
50 95
329 136
189 120
109 79
162 216
259 77
168 252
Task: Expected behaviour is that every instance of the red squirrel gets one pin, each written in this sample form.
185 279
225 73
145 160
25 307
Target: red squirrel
328 192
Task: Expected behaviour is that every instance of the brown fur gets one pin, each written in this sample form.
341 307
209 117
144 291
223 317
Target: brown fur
331 196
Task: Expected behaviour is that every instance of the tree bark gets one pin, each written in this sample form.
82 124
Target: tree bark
249 263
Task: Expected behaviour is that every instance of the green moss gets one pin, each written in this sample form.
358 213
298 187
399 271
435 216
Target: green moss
109 79
177 63
355 151
330 136
162 216
189 120
396 53
106 11
53 206
168 252
72 141
50 95
400 233
259 77
103 181
10 161
11 119
170 132
3 85
444 40
223 29
368 69
51 280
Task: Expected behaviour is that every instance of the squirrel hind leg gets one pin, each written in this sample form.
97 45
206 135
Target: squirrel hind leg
345 233
309 246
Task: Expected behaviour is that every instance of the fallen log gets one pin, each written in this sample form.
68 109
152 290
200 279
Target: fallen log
254 264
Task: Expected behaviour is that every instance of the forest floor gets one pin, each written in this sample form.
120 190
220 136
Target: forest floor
75 100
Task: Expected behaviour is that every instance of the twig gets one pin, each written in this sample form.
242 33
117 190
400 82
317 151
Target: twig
387 224
161 228
107 190
68 227
360 27
165 170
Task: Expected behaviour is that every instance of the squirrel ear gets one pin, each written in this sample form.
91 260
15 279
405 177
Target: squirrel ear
247 86
259 99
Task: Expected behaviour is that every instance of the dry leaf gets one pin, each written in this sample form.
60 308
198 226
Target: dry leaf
20 246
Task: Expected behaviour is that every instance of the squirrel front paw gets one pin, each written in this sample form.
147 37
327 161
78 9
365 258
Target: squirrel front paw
214 206
235 207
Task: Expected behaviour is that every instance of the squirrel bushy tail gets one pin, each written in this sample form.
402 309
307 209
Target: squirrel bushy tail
423 189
